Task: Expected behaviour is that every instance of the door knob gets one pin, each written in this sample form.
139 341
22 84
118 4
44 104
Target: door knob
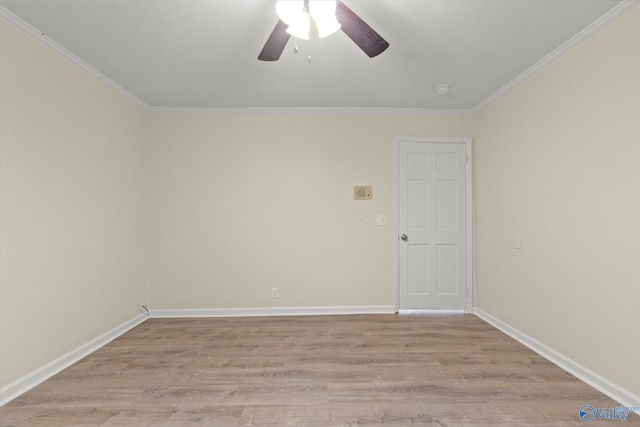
404 237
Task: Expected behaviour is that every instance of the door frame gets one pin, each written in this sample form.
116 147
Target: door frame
468 143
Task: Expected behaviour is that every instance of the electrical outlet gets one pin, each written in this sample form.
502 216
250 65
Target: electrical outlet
274 292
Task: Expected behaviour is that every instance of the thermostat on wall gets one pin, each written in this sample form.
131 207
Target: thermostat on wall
362 193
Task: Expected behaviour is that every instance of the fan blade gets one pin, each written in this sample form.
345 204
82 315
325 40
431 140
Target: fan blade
275 43
360 32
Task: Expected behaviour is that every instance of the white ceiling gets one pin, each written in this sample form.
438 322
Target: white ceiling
203 53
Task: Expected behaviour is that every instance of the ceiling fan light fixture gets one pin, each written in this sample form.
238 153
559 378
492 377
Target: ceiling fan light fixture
319 18
299 17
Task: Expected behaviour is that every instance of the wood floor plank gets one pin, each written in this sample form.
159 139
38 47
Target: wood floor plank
310 371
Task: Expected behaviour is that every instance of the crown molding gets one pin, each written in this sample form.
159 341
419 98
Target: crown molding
46 41
51 44
310 110
615 12
39 36
618 10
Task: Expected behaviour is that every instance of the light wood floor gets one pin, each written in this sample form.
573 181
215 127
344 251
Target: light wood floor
439 370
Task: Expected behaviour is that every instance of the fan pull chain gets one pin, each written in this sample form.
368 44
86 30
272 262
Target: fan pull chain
295 49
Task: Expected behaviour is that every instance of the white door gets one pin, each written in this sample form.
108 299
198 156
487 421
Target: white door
432 224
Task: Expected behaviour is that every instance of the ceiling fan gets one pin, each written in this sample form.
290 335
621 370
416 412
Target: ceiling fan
351 24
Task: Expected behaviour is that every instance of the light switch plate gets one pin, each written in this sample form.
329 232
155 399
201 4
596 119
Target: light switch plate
362 193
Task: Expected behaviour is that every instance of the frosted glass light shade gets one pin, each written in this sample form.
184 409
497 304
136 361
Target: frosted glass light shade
322 12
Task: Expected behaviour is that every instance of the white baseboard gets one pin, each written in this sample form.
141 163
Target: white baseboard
420 312
27 382
614 391
271 311
32 379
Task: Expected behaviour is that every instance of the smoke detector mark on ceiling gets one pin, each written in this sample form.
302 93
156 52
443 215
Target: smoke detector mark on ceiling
443 89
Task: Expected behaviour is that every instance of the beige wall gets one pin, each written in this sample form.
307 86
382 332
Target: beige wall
71 202
241 203
556 161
